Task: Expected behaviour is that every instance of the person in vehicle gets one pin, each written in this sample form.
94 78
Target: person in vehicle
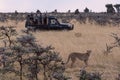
31 19
39 17
45 19
36 19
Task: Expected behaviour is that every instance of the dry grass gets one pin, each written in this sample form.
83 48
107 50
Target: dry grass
82 38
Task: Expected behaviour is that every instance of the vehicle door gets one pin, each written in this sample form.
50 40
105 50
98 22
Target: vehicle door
54 24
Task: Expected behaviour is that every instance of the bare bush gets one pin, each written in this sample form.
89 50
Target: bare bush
32 59
84 75
116 43
7 33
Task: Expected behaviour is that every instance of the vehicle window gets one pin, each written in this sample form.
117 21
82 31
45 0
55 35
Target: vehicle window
53 22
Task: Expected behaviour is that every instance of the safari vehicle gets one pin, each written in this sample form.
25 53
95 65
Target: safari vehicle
46 22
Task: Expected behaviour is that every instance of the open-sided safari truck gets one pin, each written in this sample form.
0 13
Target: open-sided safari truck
38 21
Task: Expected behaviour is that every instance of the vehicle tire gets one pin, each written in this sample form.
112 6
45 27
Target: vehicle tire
65 29
72 27
26 24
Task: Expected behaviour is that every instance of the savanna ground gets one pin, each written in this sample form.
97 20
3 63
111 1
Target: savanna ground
83 37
